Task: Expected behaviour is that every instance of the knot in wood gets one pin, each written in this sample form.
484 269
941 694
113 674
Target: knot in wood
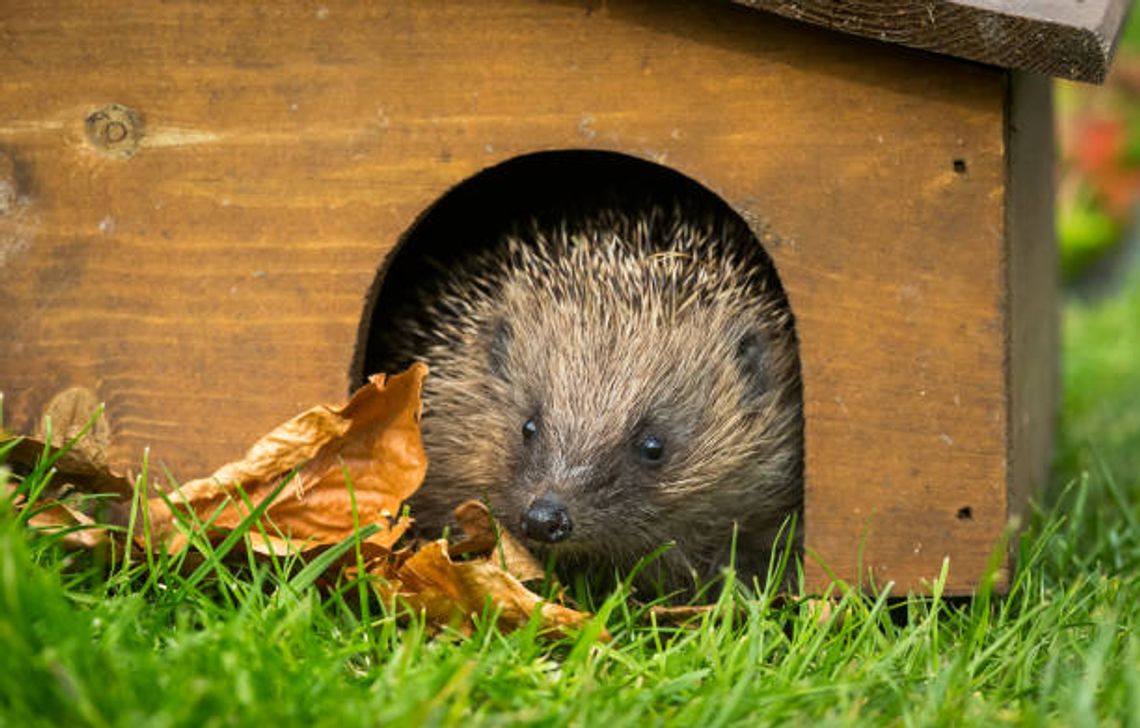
115 131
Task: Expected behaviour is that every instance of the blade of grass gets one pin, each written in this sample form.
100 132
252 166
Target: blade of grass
308 575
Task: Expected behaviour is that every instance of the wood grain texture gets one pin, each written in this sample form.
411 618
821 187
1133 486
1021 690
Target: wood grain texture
1072 39
211 283
1034 355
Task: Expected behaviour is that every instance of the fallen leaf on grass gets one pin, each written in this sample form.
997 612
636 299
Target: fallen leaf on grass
81 465
365 456
67 418
331 470
453 593
78 529
678 616
482 534
78 467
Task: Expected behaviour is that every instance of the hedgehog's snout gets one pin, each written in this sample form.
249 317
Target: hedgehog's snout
547 520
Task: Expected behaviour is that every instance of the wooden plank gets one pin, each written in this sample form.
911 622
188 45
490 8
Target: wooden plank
210 282
1033 284
1065 38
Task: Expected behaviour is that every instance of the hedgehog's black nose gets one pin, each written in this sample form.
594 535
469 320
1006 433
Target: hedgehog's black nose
547 520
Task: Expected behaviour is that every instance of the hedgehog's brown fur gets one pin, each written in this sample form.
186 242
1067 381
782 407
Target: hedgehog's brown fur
603 329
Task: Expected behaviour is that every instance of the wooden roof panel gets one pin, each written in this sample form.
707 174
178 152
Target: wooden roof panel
1072 39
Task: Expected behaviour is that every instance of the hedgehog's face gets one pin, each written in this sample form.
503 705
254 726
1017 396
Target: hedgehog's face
615 384
615 443
595 484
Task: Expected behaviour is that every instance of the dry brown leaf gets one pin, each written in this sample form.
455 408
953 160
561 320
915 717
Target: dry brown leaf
822 609
81 468
379 545
678 616
76 416
480 530
56 516
52 516
453 593
373 442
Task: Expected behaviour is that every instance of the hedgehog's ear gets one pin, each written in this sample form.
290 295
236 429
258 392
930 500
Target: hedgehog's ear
751 360
499 337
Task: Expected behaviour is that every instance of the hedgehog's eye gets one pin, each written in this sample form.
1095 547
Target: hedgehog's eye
651 449
530 429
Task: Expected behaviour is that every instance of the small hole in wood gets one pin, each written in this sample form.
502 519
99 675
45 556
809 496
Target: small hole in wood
965 513
960 166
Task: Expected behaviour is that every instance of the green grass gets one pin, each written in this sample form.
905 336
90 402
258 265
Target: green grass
81 644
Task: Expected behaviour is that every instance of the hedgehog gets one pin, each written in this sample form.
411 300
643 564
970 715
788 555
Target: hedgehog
611 384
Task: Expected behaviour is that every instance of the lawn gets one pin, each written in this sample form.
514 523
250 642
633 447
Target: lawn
81 644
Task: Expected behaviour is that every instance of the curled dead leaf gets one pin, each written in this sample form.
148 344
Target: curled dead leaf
483 534
365 457
681 615
76 416
454 593
331 470
81 468
822 610
79 530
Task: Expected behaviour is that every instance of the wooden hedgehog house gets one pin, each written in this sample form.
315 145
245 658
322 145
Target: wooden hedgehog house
199 204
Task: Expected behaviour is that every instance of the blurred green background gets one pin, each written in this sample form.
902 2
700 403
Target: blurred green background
1098 185
1098 211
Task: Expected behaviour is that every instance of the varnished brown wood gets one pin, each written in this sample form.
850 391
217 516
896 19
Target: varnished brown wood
1033 281
1068 38
211 283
